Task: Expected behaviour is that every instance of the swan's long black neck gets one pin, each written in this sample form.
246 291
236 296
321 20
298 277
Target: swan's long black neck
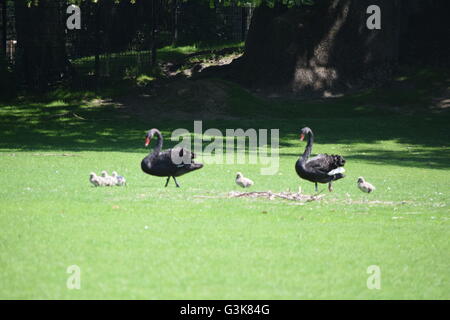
308 148
159 143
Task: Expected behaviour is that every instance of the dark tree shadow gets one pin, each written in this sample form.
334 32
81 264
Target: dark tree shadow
33 127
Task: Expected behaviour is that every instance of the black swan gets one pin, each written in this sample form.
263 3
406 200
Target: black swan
159 163
323 168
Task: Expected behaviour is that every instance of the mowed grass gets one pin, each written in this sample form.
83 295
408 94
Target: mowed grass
145 241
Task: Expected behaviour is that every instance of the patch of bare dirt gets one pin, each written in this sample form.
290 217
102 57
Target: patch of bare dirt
220 61
181 99
196 62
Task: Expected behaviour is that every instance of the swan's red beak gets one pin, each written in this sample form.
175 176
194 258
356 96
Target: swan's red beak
147 141
302 136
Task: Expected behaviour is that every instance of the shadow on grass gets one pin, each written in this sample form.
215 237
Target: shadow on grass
419 157
106 127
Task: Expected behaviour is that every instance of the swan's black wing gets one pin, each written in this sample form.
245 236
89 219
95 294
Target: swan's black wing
187 164
324 163
158 164
173 162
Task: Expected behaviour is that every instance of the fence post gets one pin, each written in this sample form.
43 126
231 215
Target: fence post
154 26
97 43
4 25
175 22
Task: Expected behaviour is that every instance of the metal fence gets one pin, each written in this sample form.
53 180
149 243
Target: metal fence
8 34
116 38
108 47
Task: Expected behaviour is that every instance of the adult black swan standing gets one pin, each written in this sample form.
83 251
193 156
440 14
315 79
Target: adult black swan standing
323 168
168 163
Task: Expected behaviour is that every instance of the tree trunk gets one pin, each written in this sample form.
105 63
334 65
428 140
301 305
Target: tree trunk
322 49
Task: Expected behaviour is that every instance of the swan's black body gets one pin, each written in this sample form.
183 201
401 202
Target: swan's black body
159 163
318 169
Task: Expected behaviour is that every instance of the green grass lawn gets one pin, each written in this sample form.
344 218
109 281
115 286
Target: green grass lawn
145 241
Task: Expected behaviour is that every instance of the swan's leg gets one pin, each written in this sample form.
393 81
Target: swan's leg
176 182
330 187
167 181
316 187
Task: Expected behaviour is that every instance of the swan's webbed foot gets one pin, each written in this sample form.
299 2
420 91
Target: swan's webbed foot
330 187
167 181
176 182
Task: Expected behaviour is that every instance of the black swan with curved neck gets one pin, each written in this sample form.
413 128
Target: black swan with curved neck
323 168
168 163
